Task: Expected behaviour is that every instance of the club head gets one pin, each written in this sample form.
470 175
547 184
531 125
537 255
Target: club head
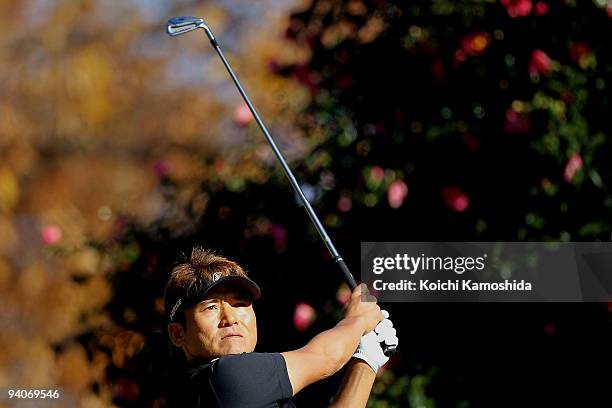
181 25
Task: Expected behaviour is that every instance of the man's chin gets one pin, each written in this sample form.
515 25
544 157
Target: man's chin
235 348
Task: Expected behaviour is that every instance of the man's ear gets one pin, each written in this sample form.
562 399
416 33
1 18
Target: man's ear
176 334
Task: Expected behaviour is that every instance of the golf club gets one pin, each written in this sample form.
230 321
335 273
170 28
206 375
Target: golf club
182 25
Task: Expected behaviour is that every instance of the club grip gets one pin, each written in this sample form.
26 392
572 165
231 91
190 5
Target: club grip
389 350
348 276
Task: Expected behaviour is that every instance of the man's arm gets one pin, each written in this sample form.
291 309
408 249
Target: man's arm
356 385
329 351
361 372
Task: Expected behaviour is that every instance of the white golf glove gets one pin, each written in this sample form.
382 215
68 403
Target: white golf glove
370 350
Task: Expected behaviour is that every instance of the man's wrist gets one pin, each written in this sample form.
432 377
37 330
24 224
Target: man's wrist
356 321
365 361
356 385
360 364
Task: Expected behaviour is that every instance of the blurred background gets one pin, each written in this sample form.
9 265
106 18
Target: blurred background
465 120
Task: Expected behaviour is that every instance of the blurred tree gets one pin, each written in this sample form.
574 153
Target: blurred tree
104 129
445 115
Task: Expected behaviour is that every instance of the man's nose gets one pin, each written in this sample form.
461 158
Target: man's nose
228 314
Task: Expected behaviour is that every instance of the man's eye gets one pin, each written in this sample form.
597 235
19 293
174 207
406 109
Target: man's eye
242 303
211 307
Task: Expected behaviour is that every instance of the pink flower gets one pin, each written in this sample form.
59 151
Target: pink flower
303 316
343 294
396 195
455 198
242 115
51 234
161 168
475 43
580 53
540 63
378 173
306 76
279 235
517 8
541 8
458 57
516 122
571 168
376 176
344 204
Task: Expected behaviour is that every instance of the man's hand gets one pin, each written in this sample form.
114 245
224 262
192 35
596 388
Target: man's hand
329 351
366 312
370 350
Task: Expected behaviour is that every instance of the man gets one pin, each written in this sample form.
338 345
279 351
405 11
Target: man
209 305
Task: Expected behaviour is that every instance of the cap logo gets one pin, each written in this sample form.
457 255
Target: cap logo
216 276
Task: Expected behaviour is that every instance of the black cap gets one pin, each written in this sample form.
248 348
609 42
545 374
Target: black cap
177 302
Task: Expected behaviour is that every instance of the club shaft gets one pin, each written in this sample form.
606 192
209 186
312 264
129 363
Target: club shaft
350 280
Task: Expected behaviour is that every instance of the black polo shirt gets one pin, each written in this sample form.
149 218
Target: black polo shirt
257 380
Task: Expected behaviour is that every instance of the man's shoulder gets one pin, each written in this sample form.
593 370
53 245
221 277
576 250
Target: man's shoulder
239 380
247 364
260 377
234 367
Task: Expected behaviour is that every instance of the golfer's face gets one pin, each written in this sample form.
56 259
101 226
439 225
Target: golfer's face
223 323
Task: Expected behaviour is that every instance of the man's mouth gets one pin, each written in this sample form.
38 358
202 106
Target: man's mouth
231 336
